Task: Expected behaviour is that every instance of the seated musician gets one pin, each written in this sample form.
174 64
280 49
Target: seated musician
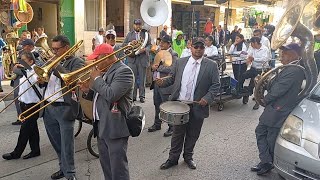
111 90
210 49
29 128
238 54
258 58
161 95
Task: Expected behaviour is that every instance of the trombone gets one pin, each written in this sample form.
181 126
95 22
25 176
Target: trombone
43 71
73 77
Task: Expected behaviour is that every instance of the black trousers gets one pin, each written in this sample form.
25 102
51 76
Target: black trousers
251 73
238 70
28 132
266 138
158 98
185 136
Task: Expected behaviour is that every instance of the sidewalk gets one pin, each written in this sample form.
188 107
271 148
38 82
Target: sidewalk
6 89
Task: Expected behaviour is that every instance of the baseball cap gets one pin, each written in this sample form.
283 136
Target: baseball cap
198 40
293 46
166 38
100 50
137 21
101 29
112 32
27 42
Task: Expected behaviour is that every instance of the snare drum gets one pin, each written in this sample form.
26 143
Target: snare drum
174 112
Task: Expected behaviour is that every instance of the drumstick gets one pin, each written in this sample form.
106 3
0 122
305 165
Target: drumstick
189 102
163 78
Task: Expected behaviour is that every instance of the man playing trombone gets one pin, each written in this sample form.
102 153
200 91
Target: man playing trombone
111 93
60 116
29 129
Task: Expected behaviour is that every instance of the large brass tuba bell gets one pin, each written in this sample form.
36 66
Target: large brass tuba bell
10 55
290 25
45 51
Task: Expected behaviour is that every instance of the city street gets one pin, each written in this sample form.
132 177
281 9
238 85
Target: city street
226 149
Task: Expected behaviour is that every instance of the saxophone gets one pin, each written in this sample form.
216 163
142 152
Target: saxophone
290 25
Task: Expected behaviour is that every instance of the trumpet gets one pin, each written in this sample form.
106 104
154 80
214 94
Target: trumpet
76 76
45 68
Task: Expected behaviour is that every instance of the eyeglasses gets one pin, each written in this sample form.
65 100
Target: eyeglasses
57 49
198 47
111 37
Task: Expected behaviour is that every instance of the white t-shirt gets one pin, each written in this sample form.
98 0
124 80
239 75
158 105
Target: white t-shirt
98 39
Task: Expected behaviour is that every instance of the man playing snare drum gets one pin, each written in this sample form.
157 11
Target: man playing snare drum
194 78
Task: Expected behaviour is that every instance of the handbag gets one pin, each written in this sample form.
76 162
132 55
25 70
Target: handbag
136 120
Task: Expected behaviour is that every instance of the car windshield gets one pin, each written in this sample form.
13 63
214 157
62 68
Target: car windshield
315 95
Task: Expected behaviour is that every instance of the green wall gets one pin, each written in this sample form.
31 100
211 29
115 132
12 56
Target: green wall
67 19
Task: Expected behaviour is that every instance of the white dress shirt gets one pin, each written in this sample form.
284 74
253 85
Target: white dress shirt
264 41
29 96
185 78
53 86
211 50
261 56
185 52
243 54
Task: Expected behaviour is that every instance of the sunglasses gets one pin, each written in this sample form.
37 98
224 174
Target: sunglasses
198 47
110 37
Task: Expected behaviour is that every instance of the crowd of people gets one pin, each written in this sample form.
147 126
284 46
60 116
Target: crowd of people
192 77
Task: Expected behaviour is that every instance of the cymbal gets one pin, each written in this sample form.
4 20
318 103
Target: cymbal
163 56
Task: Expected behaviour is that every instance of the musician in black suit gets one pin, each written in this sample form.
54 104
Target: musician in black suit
29 131
194 78
281 99
140 62
161 95
59 117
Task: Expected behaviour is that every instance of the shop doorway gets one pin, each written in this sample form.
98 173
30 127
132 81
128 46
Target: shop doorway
115 15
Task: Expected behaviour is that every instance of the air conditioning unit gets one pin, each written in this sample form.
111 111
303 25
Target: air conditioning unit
221 1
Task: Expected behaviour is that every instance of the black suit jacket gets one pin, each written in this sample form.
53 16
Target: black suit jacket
207 85
282 96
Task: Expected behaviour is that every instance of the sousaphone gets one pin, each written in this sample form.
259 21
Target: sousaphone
24 16
154 12
290 25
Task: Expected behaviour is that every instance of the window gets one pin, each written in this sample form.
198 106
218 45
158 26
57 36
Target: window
91 15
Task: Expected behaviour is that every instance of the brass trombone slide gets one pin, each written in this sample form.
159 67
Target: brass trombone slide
71 51
68 79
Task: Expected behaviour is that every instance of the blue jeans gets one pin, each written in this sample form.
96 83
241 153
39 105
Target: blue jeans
60 133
